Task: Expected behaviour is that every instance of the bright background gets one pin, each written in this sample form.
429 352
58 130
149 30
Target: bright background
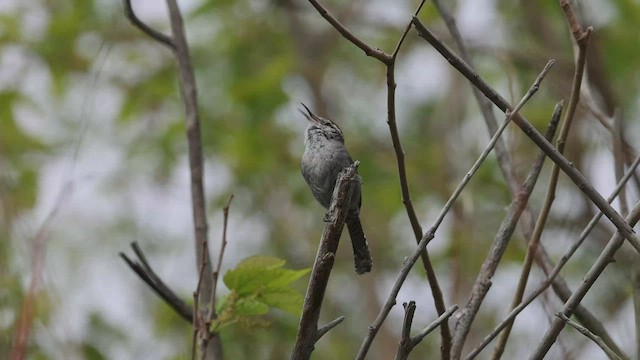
92 138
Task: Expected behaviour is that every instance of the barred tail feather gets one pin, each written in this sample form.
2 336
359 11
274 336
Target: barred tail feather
361 254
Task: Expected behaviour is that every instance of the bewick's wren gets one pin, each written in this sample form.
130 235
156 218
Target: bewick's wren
324 157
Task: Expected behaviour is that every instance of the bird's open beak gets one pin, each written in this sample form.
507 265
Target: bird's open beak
311 117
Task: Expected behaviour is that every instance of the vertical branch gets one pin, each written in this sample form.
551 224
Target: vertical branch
308 328
407 342
438 298
190 99
406 200
618 159
485 105
178 44
196 166
216 273
635 294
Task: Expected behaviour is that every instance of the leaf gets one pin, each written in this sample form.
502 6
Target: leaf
251 274
260 282
288 300
250 307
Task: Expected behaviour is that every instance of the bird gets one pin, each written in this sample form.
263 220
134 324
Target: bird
325 156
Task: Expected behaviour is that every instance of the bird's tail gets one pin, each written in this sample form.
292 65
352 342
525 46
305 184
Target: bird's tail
361 254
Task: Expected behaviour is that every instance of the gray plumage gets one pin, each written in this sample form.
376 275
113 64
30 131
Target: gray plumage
325 156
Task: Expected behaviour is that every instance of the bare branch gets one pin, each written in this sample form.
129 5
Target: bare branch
178 44
635 294
595 338
576 176
405 339
198 325
216 272
146 273
308 328
436 292
325 329
376 53
486 107
437 322
153 33
618 157
407 343
406 31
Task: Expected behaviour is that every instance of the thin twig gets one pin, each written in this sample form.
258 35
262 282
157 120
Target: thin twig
148 275
592 275
38 243
376 53
307 334
486 107
635 294
436 292
587 102
618 159
405 338
153 33
325 329
216 272
556 270
437 322
595 338
406 31
407 343
197 318
504 233
574 174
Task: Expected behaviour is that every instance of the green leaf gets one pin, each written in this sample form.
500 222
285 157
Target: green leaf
250 307
260 282
288 300
251 274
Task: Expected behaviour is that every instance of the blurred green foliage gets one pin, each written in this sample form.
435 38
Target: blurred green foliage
254 61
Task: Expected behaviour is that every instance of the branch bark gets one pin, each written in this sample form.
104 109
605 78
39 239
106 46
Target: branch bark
407 343
593 337
308 328
178 44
